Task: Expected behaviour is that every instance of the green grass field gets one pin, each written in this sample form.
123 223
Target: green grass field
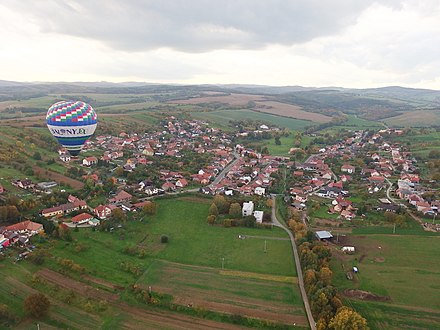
222 118
400 267
191 241
248 280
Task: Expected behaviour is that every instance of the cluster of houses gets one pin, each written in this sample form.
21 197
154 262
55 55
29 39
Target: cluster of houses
315 176
19 233
251 174
28 184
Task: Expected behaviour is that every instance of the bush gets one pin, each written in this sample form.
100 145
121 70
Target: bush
36 305
7 318
164 239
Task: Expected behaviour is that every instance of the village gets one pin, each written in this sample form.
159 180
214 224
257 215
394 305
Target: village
134 165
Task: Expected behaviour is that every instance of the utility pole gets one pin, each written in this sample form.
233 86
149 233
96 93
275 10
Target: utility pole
223 263
394 229
433 219
265 246
337 237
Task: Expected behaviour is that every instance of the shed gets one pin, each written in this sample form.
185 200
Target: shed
348 249
323 235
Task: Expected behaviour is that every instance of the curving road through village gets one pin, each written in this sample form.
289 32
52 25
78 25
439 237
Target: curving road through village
305 299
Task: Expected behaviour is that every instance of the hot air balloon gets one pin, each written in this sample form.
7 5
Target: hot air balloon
71 123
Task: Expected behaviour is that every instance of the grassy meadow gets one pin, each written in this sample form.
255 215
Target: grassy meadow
401 267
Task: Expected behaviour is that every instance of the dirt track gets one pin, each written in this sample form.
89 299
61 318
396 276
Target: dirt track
139 317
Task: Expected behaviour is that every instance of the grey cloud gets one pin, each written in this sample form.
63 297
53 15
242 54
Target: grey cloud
193 25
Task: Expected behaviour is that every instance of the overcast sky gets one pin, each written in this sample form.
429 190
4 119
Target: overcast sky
348 43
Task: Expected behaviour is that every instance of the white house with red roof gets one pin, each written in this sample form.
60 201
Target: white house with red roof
89 161
82 218
102 211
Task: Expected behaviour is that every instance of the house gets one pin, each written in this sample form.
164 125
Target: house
120 197
422 205
181 183
89 161
28 227
65 158
258 216
248 208
82 218
168 186
260 191
102 211
348 168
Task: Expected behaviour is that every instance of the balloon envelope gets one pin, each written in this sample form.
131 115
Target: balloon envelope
71 123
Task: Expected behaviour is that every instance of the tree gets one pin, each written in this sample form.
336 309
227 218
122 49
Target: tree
36 305
213 210
235 210
37 155
149 208
347 319
118 215
325 275
249 221
7 318
211 219
221 203
277 140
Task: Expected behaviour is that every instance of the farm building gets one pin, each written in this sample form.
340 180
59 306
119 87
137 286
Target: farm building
323 235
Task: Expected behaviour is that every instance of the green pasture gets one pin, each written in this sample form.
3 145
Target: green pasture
191 241
401 267
222 118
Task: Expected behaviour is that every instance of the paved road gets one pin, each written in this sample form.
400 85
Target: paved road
390 185
277 223
225 170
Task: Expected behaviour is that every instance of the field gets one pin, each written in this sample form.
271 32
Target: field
222 118
289 110
421 118
207 267
231 99
251 294
397 271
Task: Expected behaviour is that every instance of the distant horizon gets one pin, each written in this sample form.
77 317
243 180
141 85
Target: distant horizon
208 84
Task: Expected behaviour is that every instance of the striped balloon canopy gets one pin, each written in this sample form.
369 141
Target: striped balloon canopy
71 123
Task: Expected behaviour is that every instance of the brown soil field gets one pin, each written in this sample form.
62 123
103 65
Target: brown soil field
139 317
202 287
364 295
275 313
289 110
232 99
57 177
415 118
81 288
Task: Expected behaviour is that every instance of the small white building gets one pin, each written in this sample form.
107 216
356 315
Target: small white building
258 216
348 249
260 191
248 208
